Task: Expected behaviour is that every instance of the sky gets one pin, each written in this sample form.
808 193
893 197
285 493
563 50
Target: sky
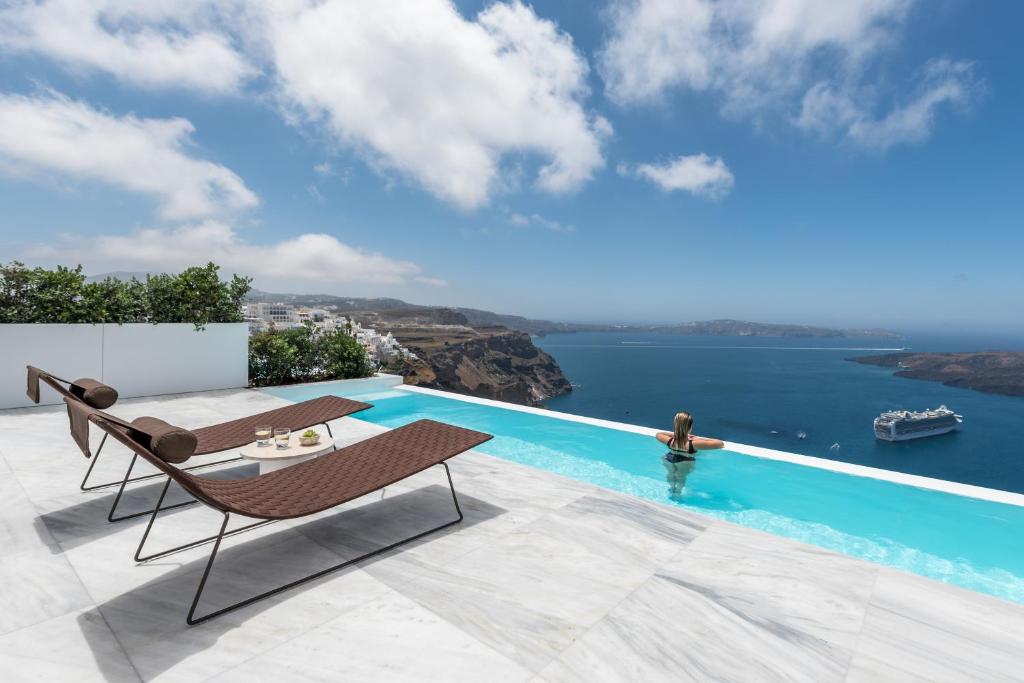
849 164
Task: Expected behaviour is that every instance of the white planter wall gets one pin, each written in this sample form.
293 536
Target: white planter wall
135 359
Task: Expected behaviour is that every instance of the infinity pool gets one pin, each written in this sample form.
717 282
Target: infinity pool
963 541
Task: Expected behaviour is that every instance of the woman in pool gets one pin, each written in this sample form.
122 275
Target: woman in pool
682 450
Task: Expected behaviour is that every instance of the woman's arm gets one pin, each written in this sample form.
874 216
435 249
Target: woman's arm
703 444
663 437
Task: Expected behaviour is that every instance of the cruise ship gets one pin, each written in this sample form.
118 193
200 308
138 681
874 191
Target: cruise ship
903 425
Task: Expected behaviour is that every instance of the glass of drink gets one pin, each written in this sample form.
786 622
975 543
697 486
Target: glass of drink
281 436
263 434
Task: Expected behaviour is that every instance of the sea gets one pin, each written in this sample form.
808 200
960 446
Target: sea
800 395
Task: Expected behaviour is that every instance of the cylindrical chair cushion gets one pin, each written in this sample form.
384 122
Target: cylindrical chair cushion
167 442
93 393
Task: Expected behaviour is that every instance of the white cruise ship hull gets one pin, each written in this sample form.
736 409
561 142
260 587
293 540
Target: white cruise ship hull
886 435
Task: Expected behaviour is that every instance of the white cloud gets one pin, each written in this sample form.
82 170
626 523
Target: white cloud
697 174
419 90
457 105
829 112
50 133
771 56
152 44
523 220
313 257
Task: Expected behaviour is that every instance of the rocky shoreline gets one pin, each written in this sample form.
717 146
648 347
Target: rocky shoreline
990 372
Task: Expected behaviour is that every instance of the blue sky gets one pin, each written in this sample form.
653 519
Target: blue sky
633 160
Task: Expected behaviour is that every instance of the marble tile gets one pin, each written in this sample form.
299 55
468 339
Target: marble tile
527 594
774 581
20 527
474 463
628 530
108 570
77 646
390 638
523 490
378 522
669 631
916 629
199 652
37 585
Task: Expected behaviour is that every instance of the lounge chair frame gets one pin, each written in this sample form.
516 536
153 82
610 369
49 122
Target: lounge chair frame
223 533
85 486
57 384
448 441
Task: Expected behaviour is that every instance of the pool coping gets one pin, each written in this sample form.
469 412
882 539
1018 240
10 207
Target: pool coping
941 485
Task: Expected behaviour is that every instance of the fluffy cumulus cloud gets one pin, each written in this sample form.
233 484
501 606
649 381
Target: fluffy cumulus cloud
697 174
154 44
458 105
313 257
797 58
438 98
52 134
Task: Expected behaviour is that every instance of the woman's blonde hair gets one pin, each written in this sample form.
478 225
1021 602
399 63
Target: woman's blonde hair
681 431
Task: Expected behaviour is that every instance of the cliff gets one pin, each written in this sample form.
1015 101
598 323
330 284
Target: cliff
493 362
990 372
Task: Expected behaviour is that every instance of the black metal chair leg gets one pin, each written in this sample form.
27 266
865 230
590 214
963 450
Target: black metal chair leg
94 487
192 544
95 457
138 552
120 492
330 434
192 620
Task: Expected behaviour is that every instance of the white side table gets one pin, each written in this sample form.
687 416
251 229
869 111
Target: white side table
272 458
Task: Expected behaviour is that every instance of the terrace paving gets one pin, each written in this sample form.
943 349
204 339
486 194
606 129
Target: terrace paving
547 579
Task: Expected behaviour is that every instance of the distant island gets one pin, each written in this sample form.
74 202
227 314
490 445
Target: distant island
990 372
415 313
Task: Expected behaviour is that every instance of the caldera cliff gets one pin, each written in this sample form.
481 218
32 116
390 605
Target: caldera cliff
488 362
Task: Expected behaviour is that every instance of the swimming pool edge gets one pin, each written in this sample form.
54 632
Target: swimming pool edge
930 483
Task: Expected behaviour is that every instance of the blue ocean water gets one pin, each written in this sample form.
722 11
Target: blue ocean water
766 391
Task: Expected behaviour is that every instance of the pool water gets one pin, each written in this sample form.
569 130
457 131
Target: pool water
964 541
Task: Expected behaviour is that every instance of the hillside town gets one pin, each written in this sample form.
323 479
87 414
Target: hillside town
381 348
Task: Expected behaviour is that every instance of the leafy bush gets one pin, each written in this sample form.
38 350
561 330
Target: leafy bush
305 354
196 295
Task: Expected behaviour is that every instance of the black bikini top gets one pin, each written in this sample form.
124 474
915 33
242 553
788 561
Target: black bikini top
689 447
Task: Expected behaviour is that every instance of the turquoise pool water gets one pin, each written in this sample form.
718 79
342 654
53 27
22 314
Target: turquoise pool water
964 541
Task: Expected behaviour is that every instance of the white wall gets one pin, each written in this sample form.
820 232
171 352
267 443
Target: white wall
136 359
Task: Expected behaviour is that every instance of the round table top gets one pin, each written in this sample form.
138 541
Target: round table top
294 450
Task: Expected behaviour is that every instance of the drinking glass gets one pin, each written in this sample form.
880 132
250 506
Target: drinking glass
281 436
263 434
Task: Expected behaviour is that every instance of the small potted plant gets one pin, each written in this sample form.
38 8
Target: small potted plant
310 437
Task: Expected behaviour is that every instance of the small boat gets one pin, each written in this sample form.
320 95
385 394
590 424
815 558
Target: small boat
903 425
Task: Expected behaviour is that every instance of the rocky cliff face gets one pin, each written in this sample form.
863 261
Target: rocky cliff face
495 363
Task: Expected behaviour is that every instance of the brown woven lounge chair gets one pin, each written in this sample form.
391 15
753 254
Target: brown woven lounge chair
211 439
303 489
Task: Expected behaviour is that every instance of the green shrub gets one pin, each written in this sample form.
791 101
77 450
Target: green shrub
195 295
305 354
271 359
